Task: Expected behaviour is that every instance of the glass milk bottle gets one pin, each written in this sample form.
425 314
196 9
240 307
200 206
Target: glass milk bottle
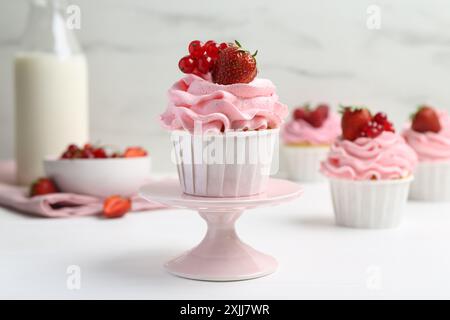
51 89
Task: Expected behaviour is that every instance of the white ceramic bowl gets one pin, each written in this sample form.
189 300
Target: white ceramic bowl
99 177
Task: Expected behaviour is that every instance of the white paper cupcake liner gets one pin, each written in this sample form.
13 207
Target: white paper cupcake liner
431 182
235 164
369 204
303 163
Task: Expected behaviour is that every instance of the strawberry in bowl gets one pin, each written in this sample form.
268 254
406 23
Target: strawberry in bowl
94 170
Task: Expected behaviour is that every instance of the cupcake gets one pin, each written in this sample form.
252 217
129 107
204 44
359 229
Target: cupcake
307 139
224 121
370 170
429 135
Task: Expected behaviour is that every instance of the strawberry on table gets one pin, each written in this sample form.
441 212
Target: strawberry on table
426 120
116 206
42 186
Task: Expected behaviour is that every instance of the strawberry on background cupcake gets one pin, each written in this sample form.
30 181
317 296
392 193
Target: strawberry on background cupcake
428 134
307 138
370 169
221 103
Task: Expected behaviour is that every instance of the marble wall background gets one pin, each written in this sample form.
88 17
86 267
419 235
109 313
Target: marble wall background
316 50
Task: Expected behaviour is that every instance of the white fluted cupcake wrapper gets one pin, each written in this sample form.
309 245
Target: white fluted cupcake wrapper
303 163
369 204
431 182
232 165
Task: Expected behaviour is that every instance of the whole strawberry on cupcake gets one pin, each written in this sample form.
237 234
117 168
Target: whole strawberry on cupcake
428 134
370 169
307 139
218 113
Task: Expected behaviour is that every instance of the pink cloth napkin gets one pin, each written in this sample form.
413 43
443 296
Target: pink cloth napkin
56 205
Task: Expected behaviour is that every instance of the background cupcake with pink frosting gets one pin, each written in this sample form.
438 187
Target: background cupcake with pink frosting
224 121
307 138
370 169
428 134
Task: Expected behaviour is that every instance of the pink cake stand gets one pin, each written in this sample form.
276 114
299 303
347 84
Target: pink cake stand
221 255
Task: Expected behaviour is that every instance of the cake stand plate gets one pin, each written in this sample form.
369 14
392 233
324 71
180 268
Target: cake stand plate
221 255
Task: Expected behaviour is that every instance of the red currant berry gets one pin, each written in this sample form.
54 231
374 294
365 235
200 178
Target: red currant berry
197 73
209 42
67 155
212 51
196 49
204 64
388 127
372 130
380 117
384 123
187 64
72 148
223 45
87 154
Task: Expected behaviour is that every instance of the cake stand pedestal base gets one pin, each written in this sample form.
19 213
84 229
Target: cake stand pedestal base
221 255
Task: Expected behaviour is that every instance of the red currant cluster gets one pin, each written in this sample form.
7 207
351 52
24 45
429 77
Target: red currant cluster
376 126
201 57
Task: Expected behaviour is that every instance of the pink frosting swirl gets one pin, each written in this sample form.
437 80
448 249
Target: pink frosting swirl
215 107
431 146
384 157
300 131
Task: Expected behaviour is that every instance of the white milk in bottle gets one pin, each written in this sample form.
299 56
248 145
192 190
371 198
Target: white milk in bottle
51 84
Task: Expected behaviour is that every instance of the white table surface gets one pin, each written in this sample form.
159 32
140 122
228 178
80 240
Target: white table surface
123 258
